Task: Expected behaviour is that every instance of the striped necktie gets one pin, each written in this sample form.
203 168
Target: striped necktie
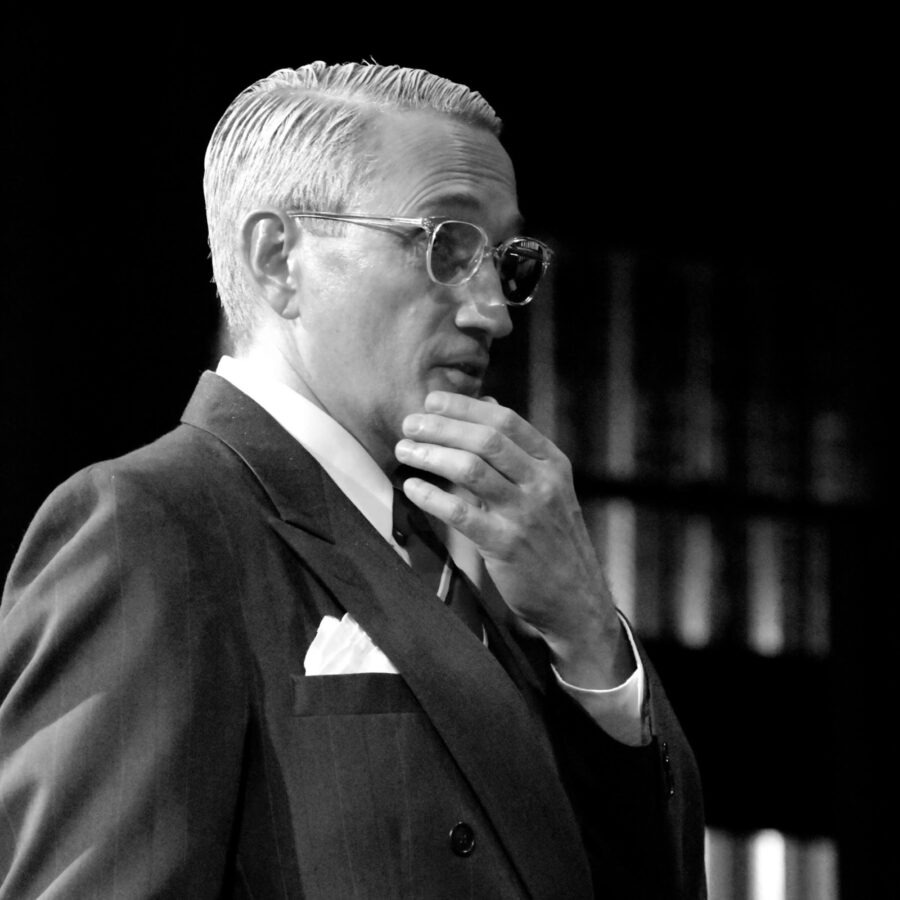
430 560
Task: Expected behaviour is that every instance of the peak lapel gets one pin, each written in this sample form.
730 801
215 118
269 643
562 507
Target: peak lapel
290 476
494 735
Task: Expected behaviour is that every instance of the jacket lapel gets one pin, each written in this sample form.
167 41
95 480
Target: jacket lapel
498 742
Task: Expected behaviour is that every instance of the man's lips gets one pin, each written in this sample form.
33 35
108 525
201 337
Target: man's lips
464 375
472 366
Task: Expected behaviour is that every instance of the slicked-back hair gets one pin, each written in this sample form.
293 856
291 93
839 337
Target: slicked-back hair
296 139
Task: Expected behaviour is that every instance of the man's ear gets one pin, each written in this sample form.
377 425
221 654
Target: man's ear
267 238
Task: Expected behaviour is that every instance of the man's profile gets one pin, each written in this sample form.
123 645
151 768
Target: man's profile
341 633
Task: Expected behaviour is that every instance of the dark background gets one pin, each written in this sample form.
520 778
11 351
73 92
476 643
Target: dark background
751 142
741 143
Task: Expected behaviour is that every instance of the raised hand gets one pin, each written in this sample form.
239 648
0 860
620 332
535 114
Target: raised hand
518 506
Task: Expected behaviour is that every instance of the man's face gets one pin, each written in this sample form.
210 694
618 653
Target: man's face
375 334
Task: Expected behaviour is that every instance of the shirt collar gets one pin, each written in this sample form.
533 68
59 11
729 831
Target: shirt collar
339 453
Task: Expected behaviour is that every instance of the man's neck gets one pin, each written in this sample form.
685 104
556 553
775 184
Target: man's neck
271 361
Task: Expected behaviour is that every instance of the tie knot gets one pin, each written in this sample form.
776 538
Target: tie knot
408 519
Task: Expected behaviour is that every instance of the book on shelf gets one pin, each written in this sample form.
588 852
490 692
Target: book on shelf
838 469
698 575
770 865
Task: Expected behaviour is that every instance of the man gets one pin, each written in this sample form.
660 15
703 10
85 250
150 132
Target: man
224 668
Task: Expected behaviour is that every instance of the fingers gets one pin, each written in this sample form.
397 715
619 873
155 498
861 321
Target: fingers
489 413
427 433
457 467
467 518
510 471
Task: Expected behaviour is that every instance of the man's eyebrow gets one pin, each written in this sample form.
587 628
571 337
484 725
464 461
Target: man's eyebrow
455 200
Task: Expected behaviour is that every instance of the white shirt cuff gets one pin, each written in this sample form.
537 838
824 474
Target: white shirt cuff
619 710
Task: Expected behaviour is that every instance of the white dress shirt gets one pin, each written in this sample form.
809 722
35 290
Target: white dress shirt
618 711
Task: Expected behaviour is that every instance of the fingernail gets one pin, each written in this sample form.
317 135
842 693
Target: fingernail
412 424
404 449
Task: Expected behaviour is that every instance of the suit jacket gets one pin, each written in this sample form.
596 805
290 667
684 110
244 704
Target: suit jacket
158 737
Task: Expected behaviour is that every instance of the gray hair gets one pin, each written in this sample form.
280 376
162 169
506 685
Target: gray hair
295 140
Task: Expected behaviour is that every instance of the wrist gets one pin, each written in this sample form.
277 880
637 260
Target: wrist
595 659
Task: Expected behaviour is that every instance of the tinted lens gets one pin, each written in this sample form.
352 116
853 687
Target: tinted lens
455 247
521 265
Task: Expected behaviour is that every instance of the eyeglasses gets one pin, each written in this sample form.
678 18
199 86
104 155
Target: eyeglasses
456 250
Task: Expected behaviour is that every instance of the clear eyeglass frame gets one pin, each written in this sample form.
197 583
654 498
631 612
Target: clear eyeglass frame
531 249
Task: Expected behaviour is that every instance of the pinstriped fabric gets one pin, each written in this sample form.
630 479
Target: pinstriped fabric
157 733
431 561
380 786
102 697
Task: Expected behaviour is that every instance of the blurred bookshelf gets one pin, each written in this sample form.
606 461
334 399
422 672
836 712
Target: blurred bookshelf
767 865
715 417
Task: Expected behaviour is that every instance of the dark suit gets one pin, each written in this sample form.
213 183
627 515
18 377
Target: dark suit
158 736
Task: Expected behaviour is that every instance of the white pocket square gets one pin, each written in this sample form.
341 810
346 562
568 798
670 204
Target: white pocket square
343 648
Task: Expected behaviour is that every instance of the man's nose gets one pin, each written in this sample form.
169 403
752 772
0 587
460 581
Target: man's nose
481 304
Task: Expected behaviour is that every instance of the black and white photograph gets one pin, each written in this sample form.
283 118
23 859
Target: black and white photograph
448 458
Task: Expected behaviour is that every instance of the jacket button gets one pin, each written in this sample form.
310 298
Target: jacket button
667 765
462 839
